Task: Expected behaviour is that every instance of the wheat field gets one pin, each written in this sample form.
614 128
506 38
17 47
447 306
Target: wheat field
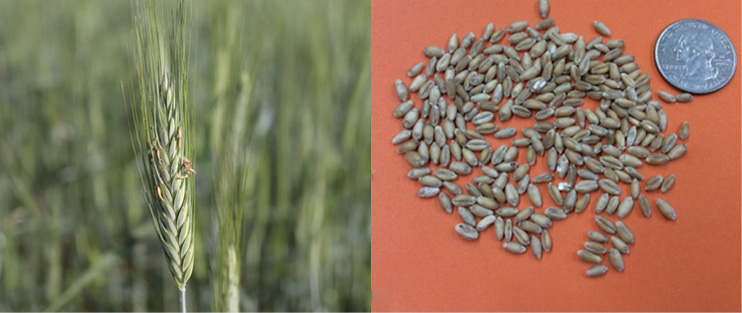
281 135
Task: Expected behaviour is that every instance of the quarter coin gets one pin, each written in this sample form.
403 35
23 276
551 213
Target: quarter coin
695 56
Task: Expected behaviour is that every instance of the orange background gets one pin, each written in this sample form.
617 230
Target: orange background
418 261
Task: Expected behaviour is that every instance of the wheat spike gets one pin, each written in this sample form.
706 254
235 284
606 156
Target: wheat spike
170 171
161 129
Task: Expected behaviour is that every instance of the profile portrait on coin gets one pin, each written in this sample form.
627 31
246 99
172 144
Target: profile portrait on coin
696 50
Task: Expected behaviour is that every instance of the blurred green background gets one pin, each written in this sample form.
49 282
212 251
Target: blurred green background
75 234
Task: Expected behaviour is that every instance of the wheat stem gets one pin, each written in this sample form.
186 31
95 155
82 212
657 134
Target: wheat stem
182 300
233 282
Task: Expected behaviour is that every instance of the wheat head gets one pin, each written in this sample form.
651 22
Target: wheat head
162 134
170 171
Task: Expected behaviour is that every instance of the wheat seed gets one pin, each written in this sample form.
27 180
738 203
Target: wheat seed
586 186
530 227
602 28
541 220
453 44
401 137
460 168
570 200
401 90
602 203
464 200
653 183
409 146
415 70
511 194
488 30
485 222
467 231
506 166
684 97
466 216
609 186
444 174
657 159
546 243
403 108
627 204
629 160
616 259
520 172
505 133
638 151
433 51
644 206
410 118
418 82
596 271
452 187
497 36
445 202
415 159
428 192
666 209
534 195
542 178
543 8
613 204
595 247
668 183
635 188
416 173
536 247
523 215
545 24
555 194
518 26
582 203
499 228
620 245
467 40
589 257
507 211
480 211
514 247
555 213
605 224
684 130
666 96
677 151
508 230
668 143
430 181
624 233
597 236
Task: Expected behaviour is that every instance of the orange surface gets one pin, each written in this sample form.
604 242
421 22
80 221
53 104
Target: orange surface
418 261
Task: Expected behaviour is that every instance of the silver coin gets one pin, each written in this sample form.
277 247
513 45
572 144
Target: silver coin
695 56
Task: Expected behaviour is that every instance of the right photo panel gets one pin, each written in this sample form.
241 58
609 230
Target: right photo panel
555 155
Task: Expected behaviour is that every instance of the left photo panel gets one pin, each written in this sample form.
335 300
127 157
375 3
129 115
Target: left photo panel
185 155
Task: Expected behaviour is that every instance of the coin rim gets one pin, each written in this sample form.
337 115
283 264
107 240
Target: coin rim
662 73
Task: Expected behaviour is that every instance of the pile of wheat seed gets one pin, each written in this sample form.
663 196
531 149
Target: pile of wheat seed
469 85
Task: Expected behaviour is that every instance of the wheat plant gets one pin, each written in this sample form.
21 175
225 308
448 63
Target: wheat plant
78 235
161 129
230 193
233 179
